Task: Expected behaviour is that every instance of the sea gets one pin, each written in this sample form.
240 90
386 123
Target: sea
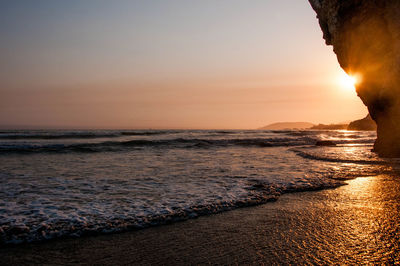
72 183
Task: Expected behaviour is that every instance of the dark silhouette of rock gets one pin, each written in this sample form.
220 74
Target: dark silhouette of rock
363 124
365 35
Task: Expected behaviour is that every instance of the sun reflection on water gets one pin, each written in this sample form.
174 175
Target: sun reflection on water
364 218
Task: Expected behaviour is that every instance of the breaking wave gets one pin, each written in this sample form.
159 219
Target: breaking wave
258 193
78 183
314 156
110 146
173 143
17 135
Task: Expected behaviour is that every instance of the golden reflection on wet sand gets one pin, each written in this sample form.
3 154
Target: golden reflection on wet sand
365 220
353 224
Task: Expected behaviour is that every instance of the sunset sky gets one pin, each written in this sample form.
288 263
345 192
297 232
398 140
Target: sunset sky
167 64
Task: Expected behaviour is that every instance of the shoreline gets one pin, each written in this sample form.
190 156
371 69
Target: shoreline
356 223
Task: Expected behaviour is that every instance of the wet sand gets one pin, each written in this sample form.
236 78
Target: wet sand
353 224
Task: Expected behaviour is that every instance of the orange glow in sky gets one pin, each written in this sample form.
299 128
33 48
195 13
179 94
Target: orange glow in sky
168 64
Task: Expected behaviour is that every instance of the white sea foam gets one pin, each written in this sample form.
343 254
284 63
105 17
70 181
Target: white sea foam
46 195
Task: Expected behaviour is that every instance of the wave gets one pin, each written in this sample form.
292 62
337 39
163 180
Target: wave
77 135
173 143
169 143
30 231
330 134
60 136
146 133
294 132
313 156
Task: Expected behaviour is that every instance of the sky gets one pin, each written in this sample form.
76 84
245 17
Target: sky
167 64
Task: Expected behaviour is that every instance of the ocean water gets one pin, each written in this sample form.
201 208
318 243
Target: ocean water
72 183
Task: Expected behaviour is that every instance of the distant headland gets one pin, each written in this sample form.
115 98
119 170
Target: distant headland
287 125
365 124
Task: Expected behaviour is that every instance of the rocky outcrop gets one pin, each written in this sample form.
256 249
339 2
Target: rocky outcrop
366 124
365 35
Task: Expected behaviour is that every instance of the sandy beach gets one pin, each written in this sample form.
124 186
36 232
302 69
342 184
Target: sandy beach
353 224
215 132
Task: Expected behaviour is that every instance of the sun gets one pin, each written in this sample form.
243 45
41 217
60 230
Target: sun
349 82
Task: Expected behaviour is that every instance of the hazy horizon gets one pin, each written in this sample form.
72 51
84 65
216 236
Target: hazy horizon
44 127
167 65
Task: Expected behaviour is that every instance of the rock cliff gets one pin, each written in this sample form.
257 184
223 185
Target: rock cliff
363 124
365 35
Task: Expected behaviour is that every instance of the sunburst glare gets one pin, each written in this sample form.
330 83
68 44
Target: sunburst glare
349 82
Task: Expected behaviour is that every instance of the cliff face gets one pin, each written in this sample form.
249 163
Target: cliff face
365 35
